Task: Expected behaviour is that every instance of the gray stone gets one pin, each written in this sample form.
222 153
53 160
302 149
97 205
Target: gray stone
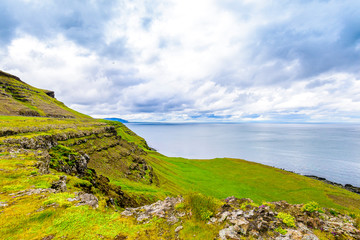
228 233
163 209
60 185
88 199
178 229
85 199
223 216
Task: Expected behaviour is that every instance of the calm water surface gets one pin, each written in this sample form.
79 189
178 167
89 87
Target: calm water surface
325 150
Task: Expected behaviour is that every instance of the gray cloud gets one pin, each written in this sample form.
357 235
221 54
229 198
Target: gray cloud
184 60
80 21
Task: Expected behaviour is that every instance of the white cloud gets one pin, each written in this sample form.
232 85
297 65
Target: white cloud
194 60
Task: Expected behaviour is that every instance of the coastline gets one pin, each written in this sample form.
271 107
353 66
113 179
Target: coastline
348 187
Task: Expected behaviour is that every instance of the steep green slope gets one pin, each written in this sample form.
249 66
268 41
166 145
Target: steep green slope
19 98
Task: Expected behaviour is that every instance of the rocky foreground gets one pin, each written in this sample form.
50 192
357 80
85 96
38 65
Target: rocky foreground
241 218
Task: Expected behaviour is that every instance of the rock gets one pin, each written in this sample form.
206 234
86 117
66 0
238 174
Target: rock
352 188
3 204
81 162
127 212
172 219
212 220
37 142
241 225
85 199
50 93
48 237
77 167
60 185
43 164
228 233
120 237
223 216
88 199
297 235
110 202
178 229
249 214
163 209
32 192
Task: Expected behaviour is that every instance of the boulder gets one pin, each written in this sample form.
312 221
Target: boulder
85 199
60 185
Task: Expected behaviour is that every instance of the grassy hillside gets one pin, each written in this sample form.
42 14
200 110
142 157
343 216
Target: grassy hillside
27 215
19 98
112 168
224 177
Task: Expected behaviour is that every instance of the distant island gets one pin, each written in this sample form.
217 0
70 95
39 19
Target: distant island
117 119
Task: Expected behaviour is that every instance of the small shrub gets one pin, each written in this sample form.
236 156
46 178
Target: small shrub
312 207
333 212
245 204
206 214
202 207
281 230
272 206
287 219
352 215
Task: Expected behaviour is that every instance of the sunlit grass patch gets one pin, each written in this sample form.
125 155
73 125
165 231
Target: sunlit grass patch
224 177
150 192
60 199
199 230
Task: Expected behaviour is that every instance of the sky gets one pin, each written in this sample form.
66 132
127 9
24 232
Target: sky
202 60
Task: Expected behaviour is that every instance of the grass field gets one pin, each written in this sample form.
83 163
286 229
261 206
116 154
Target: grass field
223 177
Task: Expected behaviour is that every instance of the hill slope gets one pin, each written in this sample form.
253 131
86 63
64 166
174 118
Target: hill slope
72 178
19 98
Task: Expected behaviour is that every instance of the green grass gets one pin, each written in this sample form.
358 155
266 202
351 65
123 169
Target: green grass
223 177
136 189
202 207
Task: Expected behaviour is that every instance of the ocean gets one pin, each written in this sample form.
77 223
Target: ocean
331 151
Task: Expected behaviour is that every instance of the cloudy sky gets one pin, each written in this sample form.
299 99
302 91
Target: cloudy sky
190 60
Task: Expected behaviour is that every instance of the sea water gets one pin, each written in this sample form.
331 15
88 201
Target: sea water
331 151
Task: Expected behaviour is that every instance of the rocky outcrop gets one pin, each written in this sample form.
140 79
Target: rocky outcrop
47 141
265 221
73 165
29 192
50 93
162 209
243 219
